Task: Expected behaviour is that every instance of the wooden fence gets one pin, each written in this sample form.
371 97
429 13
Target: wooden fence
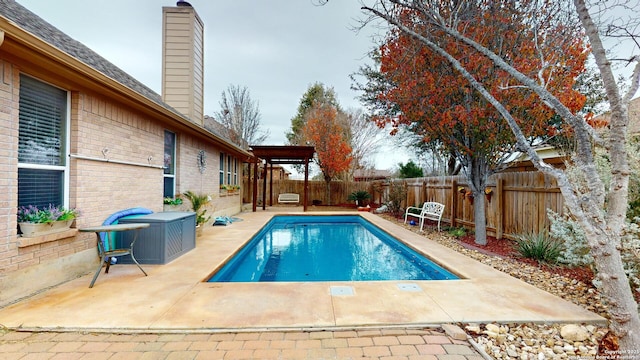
317 191
517 204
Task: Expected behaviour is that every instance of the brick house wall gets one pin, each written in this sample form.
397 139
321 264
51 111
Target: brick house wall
108 121
97 188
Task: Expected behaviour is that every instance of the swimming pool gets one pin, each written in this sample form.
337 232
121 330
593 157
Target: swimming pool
326 248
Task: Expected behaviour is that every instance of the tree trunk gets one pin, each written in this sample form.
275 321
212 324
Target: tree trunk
477 175
605 237
480 218
625 322
328 182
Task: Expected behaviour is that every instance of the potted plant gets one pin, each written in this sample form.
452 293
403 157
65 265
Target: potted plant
34 221
197 202
359 197
229 189
171 204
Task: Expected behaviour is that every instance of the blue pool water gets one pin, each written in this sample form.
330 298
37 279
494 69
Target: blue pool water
326 248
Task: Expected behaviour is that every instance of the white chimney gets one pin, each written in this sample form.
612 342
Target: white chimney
183 60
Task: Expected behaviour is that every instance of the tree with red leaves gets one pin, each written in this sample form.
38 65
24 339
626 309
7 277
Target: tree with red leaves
597 201
323 130
419 90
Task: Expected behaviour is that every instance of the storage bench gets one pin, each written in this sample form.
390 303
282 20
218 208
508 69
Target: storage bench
171 234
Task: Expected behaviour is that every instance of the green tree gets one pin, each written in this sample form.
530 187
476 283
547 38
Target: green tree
316 93
410 170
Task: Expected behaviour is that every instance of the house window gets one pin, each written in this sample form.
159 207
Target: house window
43 175
235 171
221 176
169 164
228 169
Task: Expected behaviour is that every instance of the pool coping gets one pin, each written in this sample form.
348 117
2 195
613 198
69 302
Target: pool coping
174 297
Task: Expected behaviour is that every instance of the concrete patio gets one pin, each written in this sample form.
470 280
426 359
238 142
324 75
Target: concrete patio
174 297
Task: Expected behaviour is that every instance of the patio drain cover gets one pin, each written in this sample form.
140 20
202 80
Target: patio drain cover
341 291
409 287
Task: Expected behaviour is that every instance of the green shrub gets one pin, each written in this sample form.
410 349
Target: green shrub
539 246
416 211
359 196
172 201
197 202
397 195
633 211
575 251
457 232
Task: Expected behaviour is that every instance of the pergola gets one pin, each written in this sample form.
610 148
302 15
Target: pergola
280 154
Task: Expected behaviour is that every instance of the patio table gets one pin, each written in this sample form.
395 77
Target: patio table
106 253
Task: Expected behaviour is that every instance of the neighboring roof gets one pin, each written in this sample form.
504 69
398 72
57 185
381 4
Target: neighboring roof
545 152
21 18
520 161
371 174
634 117
279 167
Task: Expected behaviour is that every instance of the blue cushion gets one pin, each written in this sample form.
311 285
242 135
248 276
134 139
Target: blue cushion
113 218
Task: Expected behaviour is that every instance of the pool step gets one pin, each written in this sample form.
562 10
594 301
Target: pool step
271 268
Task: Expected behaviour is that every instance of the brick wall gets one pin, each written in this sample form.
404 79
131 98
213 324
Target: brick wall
105 130
206 182
8 168
100 129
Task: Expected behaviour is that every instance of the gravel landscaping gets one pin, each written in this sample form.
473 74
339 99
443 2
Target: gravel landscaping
531 341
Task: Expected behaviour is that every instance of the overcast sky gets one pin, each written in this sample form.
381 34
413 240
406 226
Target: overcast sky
276 48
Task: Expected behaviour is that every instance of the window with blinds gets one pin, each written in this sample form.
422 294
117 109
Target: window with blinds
41 143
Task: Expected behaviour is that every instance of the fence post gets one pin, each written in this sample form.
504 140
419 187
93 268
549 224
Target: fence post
499 208
454 203
406 195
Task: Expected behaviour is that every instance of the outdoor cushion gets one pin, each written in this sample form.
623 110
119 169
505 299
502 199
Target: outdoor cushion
113 219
